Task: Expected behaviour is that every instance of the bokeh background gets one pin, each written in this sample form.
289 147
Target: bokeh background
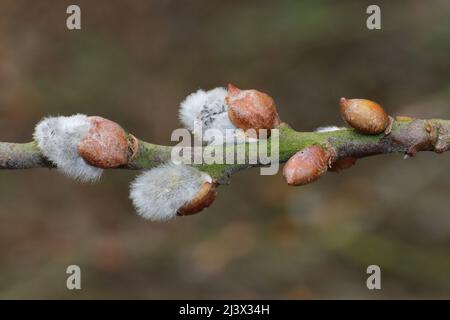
134 61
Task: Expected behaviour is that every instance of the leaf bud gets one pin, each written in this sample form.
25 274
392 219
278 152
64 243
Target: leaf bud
307 165
251 109
366 116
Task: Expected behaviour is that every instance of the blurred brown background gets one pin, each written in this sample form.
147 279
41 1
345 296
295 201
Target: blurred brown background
134 61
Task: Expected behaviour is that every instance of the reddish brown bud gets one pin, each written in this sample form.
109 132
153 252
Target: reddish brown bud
306 166
342 164
203 199
251 109
106 144
364 115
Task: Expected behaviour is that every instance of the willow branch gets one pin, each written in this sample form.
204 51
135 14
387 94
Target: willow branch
407 137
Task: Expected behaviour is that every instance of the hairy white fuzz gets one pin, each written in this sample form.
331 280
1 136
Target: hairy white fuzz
58 139
207 108
157 194
328 129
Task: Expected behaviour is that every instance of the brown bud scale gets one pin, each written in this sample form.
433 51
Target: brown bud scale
106 144
366 116
203 199
251 109
307 165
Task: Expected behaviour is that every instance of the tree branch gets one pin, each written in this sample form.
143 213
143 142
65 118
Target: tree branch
407 136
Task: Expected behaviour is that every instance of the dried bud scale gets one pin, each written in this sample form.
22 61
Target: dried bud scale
307 165
251 109
366 116
404 119
442 141
390 125
342 164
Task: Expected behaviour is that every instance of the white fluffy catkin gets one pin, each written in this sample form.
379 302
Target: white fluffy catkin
58 139
208 108
328 129
157 194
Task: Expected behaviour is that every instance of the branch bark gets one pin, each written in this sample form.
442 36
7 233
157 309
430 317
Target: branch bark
408 136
